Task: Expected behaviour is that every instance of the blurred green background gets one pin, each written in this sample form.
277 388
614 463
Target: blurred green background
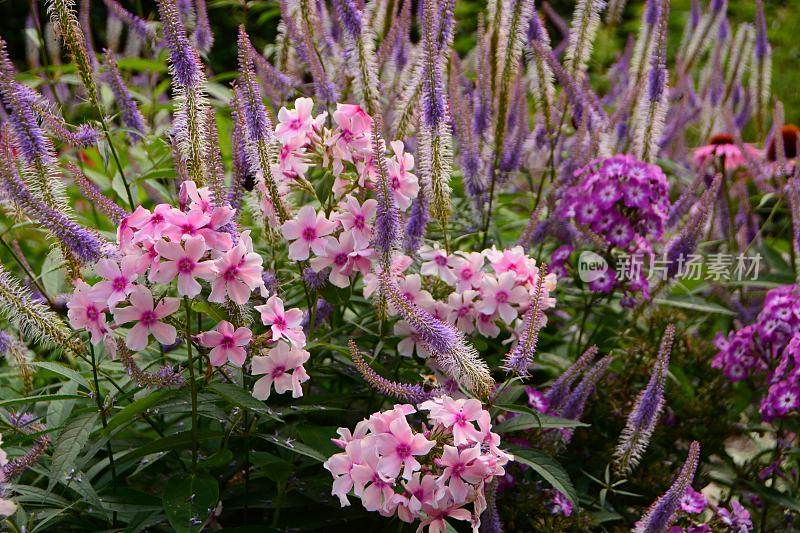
261 18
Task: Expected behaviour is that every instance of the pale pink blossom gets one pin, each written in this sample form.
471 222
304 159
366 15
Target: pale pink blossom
357 218
400 263
399 446
468 270
486 325
341 466
374 488
404 184
226 343
462 310
86 310
307 230
422 490
410 287
238 272
285 323
183 262
294 125
181 223
118 280
461 470
281 368
509 260
410 342
498 295
150 225
148 317
436 515
437 263
341 255
456 414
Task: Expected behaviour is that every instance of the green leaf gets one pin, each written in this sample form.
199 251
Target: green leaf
241 398
294 446
189 500
537 421
693 303
42 398
65 371
171 442
69 444
272 466
58 411
132 410
53 278
549 469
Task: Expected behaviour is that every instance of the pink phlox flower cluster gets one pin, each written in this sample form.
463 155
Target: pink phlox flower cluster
159 246
429 474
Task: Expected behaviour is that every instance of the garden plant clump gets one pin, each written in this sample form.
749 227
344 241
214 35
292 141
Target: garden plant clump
411 266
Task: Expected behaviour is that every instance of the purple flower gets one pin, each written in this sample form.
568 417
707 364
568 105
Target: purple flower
129 109
559 390
349 15
559 504
692 501
536 399
6 341
738 518
183 59
138 25
416 224
404 392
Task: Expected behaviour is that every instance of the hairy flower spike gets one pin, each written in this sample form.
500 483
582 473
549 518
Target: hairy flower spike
362 51
203 37
129 109
32 318
136 24
644 416
387 221
92 192
559 390
520 358
661 513
652 106
400 391
447 345
583 30
62 13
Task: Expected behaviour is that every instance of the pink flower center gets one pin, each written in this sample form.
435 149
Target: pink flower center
403 451
440 260
119 284
231 273
278 371
359 221
148 318
188 229
309 234
395 182
279 322
227 342
340 259
185 265
501 297
466 273
458 469
92 313
460 419
157 218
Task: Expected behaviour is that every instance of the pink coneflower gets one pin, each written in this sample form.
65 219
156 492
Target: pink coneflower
722 146
226 343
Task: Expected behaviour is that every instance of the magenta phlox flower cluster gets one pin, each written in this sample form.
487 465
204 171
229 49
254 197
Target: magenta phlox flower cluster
428 474
768 349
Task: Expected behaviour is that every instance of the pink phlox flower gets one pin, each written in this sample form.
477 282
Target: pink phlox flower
462 310
411 288
307 230
188 223
400 263
118 279
410 342
285 323
462 470
498 295
291 162
422 490
436 515
86 310
398 447
150 225
509 260
341 466
374 488
193 198
486 325
404 184
294 125
343 257
345 436
226 343
458 415
468 269
283 368
437 263
381 421
238 272
183 262
357 218
147 316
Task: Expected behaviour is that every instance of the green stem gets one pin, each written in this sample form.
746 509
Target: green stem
116 158
193 383
98 397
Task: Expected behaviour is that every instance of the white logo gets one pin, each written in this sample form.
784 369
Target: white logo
591 266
